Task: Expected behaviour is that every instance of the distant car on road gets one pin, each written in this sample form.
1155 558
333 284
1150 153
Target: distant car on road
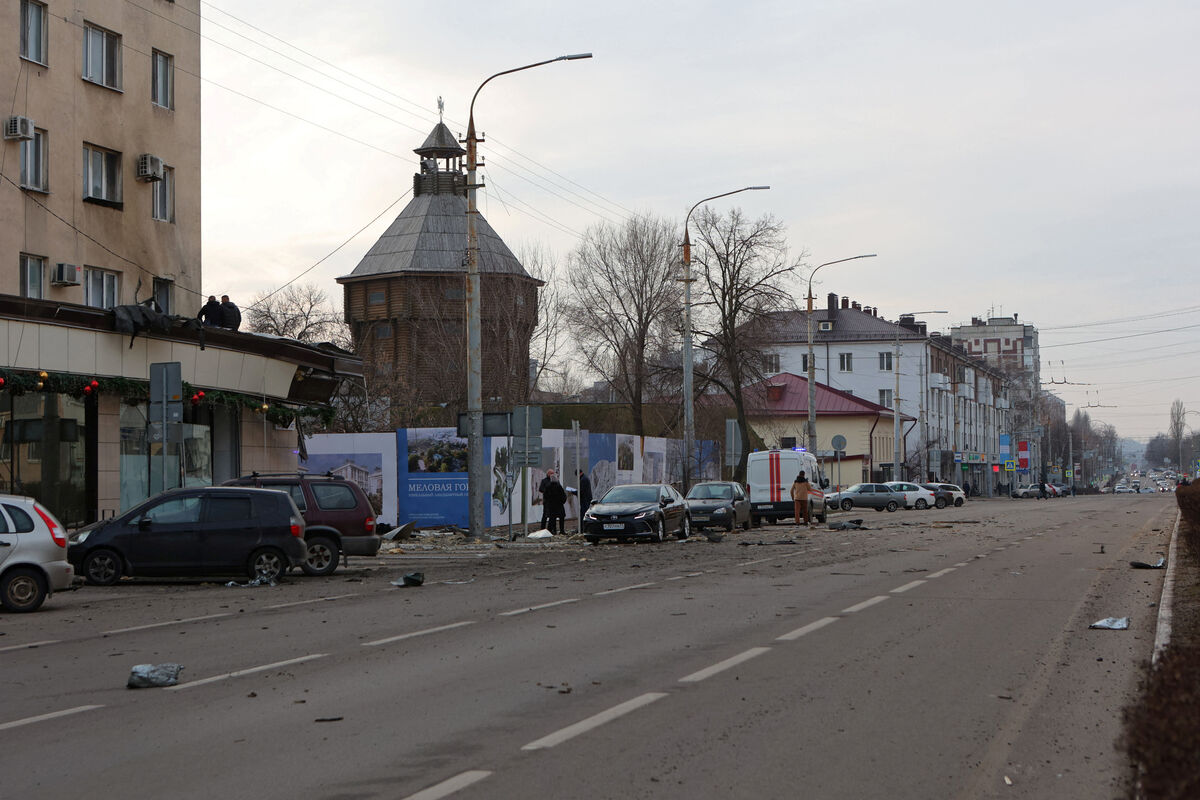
915 496
719 503
210 530
957 495
1123 490
1026 490
878 496
33 554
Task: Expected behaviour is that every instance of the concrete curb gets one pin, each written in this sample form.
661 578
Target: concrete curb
1162 634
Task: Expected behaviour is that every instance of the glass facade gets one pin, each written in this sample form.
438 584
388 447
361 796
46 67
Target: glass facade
199 451
45 448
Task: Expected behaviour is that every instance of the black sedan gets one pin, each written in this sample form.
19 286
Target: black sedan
637 511
719 503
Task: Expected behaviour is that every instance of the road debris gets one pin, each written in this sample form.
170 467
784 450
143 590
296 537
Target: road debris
1162 562
714 536
405 531
411 579
259 581
146 676
848 525
1111 624
542 534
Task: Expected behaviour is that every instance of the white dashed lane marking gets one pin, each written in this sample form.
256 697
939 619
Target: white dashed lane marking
624 589
450 785
906 587
248 671
308 602
26 646
940 573
865 604
169 622
43 717
809 628
593 722
517 611
425 632
721 666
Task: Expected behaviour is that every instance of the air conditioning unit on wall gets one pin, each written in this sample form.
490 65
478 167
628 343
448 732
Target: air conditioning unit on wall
18 128
149 168
64 275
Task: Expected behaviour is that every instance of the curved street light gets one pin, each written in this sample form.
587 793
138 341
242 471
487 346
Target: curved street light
811 371
689 413
475 474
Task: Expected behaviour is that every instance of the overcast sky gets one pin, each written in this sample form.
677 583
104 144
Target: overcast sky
1020 157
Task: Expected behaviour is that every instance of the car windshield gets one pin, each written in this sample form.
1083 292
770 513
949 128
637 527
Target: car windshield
710 491
858 487
631 494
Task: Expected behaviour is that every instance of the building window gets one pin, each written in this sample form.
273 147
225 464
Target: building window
846 362
787 442
33 31
885 362
33 273
162 80
771 363
885 397
383 330
100 288
164 295
101 57
164 196
33 162
101 174
376 298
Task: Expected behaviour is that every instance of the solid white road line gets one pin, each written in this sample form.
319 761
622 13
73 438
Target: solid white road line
809 628
571 731
425 632
708 672
940 573
906 587
307 602
516 611
43 717
962 564
450 785
250 670
624 589
169 622
865 604
31 644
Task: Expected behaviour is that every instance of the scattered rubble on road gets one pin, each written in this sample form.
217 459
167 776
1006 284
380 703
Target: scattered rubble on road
146 676
1160 564
411 579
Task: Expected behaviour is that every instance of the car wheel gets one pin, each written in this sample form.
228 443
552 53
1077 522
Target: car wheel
921 505
771 520
266 563
22 589
958 501
592 539
685 528
322 556
939 503
656 530
729 526
746 525
847 504
892 505
102 568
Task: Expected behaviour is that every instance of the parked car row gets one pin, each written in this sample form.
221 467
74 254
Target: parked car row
259 526
894 495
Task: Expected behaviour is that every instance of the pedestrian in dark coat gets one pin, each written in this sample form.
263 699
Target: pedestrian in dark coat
585 492
554 505
211 313
231 315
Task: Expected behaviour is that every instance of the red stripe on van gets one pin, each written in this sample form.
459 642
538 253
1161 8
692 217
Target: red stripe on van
773 460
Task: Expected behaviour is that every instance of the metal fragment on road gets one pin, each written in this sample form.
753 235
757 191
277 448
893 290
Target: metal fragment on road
259 581
146 676
1111 624
1161 563
411 579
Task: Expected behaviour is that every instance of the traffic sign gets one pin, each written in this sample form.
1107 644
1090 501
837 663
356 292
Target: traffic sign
1010 465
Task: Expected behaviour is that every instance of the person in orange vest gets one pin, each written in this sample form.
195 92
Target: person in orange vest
800 489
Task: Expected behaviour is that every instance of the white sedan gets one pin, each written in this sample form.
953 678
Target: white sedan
914 496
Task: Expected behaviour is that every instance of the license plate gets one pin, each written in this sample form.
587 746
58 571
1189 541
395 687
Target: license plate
763 505
700 518
614 526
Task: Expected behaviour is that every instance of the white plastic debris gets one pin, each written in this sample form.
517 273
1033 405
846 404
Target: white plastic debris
1111 623
542 534
145 676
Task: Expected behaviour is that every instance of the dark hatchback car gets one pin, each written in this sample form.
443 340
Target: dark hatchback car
205 531
719 503
637 511
337 513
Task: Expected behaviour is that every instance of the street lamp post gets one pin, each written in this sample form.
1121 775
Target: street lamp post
475 474
897 444
812 372
689 414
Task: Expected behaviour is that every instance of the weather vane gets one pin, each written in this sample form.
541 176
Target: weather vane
441 108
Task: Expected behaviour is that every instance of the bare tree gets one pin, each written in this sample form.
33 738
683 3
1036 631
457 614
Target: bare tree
625 287
549 343
300 311
1176 429
744 269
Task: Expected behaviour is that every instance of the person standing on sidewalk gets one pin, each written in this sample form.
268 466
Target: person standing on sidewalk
800 489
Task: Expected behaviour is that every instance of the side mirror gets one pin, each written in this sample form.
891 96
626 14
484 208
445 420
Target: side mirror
144 524
824 483
664 501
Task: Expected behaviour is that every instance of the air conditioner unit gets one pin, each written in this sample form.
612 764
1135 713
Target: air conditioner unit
824 326
149 168
64 275
18 128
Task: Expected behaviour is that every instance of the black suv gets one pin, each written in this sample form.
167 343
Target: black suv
207 530
338 515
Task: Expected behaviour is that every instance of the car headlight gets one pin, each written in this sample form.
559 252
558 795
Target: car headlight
79 538
588 516
721 510
643 515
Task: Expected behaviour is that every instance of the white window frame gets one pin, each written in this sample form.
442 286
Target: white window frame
35 155
885 398
106 283
101 56
108 163
33 276
162 196
162 79
771 363
885 361
32 11
845 362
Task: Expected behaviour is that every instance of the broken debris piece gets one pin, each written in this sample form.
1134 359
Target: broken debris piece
146 676
1162 562
411 579
1111 624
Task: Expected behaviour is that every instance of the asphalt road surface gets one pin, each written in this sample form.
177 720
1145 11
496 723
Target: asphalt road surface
939 654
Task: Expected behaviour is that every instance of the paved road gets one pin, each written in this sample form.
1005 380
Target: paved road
940 654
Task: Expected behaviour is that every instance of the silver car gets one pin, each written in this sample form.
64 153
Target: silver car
33 554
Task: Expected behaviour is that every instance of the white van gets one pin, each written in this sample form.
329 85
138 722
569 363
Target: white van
770 474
